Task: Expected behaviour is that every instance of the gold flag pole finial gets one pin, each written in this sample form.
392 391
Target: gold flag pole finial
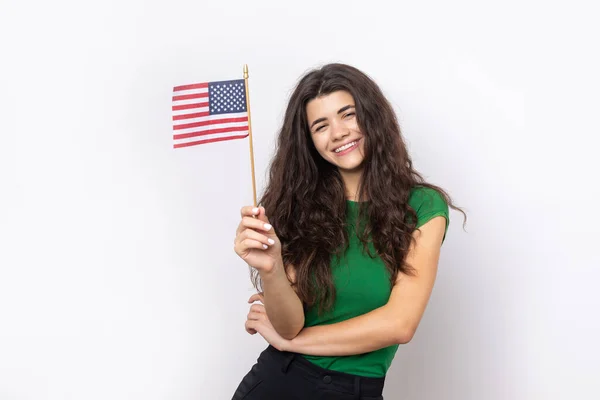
250 132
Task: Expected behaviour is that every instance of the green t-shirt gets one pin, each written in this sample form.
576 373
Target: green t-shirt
363 284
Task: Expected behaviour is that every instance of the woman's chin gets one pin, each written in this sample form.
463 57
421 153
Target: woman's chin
350 167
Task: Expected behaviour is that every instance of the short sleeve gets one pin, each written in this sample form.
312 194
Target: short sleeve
429 203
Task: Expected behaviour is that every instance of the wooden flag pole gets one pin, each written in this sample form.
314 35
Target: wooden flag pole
250 132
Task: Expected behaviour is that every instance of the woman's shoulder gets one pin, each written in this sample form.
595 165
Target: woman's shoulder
420 194
427 203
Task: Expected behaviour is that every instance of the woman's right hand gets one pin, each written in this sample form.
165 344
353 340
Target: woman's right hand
256 242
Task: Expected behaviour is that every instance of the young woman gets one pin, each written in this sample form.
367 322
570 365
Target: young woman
344 249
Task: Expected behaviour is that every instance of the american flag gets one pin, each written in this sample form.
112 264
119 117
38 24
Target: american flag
209 112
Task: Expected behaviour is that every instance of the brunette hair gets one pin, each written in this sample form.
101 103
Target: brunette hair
305 198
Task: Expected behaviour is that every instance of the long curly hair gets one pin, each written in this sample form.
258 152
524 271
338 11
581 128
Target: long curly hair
305 197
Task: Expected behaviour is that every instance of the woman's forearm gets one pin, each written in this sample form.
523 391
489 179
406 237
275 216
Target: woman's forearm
282 304
362 334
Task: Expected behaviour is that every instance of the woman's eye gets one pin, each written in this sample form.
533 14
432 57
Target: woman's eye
320 128
348 115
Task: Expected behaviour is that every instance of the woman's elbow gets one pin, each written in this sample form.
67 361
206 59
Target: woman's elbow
293 330
405 335
289 335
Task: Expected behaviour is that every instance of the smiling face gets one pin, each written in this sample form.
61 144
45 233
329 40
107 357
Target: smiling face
335 132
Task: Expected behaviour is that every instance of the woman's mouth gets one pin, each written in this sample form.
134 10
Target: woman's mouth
347 148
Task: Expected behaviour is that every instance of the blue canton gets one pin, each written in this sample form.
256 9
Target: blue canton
227 97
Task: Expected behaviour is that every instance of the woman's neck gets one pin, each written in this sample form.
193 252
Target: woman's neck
351 182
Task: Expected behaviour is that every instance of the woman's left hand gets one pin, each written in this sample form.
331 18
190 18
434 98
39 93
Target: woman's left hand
258 321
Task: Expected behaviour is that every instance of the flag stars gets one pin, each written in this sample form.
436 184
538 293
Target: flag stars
227 97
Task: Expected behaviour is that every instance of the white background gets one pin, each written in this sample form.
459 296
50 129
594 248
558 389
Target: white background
117 274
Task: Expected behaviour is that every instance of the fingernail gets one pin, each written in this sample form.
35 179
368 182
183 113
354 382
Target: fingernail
255 210
265 246
268 227
271 241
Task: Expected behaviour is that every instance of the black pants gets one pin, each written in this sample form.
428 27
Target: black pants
288 376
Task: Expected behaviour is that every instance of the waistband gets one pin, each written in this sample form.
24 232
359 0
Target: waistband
350 383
